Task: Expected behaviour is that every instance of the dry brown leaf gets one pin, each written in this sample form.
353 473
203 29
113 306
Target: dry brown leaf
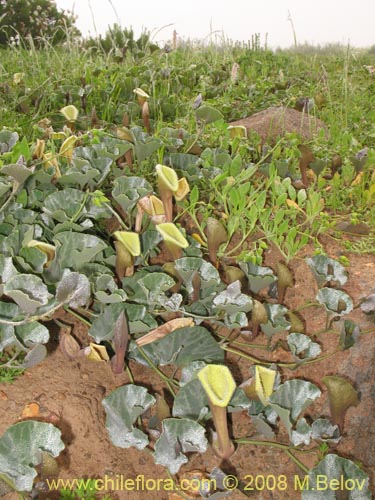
31 410
163 330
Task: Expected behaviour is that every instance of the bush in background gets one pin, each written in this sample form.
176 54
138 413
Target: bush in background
35 19
120 40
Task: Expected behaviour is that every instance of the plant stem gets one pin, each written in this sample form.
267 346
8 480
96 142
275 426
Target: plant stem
29 319
10 198
162 375
284 364
81 207
284 447
76 315
238 342
121 222
129 372
305 306
297 462
225 447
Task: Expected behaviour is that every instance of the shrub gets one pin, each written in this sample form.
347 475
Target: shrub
38 19
120 40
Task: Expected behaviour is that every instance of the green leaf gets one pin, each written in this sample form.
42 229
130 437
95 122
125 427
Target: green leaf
335 301
27 291
326 270
63 205
179 436
123 406
334 470
73 289
191 401
302 347
181 347
144 150
31 260
75 250
291 398
21 448
75 176
5 186
139 320
210 282
128 190
154 286
106 290
258 277
207 114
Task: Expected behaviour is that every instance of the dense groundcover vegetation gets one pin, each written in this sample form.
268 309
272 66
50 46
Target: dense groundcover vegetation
126 201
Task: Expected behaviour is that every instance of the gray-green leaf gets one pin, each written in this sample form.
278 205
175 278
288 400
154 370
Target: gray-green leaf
181 347
335 301
123 406
302 347
291 398
332 471
73 289
179 436
258 277
208 114
326 269
27 291
21 448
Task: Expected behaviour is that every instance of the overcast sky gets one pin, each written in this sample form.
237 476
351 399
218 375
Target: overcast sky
316 22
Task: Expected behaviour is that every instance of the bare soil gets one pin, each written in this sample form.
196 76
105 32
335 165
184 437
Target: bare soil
275 122
74 389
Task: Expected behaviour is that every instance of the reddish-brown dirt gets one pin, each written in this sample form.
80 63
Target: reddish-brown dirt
74 389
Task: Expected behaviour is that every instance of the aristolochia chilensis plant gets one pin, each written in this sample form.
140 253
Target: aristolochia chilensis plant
70 114
67 147
142 97
219 385
169 185
173 239
153 207
127 247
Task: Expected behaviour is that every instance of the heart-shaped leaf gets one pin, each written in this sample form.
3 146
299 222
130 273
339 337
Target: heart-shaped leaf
28 291
181 347
179 436
291 398
208 114
21 448
334 470
335 301
123 406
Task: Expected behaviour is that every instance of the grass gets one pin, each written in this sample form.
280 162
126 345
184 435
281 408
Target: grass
94 79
